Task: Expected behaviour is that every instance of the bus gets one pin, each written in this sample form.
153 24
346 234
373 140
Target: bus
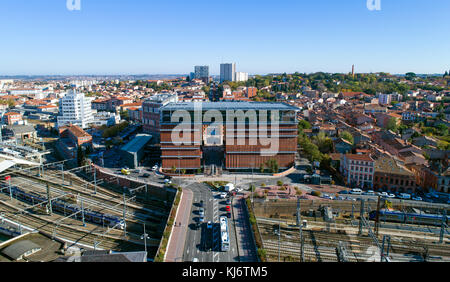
224 235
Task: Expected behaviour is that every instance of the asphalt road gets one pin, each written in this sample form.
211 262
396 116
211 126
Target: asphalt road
203 243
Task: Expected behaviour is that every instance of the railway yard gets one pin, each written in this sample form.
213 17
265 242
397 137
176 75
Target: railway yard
85 212
340 239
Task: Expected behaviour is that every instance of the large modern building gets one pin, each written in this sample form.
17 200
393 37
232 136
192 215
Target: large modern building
151 112
241 76
75 108
202 72
229 135
227 72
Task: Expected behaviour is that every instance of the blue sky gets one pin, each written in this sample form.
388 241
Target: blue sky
261 36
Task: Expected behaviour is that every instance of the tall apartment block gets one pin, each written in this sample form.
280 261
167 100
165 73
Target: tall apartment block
227 72
229 135
202 72
75 108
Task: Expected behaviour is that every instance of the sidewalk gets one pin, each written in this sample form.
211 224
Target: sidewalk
246 249
177 239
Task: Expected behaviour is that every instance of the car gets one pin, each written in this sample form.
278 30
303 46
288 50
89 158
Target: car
146 175
340 198
404 196
195 260
201 203
201 212
384 194
167 181
201 219
391 195
229 214
125 171
417 198
228 201
209 225
223 195
228 208
343 192
448 202
356 191
369 193
155 168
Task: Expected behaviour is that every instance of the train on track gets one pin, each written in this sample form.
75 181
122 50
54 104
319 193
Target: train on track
411 218
64 208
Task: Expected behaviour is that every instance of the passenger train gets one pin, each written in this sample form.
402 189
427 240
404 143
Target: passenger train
62 207
411 218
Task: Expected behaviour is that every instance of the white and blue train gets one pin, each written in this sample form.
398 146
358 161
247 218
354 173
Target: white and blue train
411 218
62 207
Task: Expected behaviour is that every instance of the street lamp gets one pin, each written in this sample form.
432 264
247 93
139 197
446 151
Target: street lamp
145 237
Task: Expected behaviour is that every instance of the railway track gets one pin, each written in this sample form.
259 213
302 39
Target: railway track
99 205
80 189
360 248
150 216
67 232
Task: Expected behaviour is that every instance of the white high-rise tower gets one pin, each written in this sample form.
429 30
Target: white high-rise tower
75 108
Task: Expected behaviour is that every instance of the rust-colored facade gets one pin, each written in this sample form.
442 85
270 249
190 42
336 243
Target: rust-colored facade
242 142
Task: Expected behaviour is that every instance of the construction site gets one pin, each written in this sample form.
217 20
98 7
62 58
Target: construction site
352 231
84 206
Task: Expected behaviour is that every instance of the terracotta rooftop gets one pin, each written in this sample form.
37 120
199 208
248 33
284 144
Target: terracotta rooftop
356 157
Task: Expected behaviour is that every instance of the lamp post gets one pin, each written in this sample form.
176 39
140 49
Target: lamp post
145 237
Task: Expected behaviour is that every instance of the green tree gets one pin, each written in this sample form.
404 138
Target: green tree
347 136
392 124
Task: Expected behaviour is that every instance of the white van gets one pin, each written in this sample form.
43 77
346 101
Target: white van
356 191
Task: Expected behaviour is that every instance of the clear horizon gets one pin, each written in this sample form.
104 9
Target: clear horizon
136 37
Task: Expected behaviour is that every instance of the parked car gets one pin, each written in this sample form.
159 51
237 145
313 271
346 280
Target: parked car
343 192
201 212
201 203
201 219
209 225
228 208
391 195
146 175
369 193
228 201
223 195
384 194
229 214
154 168
404 196
356 191
417 198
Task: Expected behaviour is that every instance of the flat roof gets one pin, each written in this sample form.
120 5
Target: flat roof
230 105
137 143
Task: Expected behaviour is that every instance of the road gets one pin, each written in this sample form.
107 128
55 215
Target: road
202 243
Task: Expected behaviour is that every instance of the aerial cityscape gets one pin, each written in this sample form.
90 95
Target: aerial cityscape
224 160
